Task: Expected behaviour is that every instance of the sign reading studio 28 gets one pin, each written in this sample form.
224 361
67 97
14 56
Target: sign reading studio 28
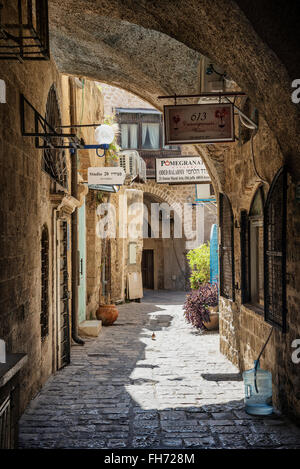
199 123
106 175
185 170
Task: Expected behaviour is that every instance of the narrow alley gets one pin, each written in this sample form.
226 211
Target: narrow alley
126 389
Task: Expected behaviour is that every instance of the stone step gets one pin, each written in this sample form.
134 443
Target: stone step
90 328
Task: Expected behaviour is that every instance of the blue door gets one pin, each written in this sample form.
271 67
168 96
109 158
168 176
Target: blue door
82 264
214 258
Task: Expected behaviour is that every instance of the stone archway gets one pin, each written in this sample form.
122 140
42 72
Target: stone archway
151 47
186 232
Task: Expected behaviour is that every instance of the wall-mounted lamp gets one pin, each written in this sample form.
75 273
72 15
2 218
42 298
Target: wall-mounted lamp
104 135
211 69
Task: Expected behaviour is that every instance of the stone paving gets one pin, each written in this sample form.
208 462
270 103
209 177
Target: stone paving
125 390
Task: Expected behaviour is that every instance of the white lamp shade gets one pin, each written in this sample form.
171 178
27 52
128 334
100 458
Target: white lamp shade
104 134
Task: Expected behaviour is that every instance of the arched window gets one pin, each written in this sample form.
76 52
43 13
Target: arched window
44 319
256 249
54 160
252 251
226 249
275 252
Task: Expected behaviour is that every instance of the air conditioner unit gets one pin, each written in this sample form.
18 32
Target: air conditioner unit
133 165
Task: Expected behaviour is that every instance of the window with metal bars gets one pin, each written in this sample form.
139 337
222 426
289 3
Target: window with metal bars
244 236
226 249
275 252
6 424
54 159
252 251
44 320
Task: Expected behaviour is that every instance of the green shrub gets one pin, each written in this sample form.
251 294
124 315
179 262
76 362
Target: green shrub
199 264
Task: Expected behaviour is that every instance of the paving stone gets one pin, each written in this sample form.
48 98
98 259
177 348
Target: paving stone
205 442
145 442
124 390
238 442
117 443
172 442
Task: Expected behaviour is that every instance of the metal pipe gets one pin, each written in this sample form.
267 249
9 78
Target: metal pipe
204 95
74 223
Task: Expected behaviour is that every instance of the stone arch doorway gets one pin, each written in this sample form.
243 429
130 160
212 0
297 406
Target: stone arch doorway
163 260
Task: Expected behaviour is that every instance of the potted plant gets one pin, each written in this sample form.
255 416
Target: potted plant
198 260
108 314
200 307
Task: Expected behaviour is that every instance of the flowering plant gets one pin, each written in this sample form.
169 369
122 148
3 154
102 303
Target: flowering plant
197 303
112 154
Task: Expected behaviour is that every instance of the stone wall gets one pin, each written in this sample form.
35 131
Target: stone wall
25 207
243 330
29 198
117 97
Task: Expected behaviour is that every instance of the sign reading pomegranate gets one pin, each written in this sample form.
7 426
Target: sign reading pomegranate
181 170
199 123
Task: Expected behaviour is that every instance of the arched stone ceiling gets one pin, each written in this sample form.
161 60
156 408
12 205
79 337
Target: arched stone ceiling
145 62
132 44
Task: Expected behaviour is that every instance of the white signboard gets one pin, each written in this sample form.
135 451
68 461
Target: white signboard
199 123
185 170
108 175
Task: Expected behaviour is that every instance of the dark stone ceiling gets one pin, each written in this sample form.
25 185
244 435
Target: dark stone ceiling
152 47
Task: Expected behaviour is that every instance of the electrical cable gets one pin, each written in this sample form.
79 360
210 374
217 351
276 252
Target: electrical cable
252 127
254 164
258 358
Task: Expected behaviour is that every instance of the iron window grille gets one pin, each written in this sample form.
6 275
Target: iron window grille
245 255
275 252
44 319
226 249
251 235
6 425
24 30
54 159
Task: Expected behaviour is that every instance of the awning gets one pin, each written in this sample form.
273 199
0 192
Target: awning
104 188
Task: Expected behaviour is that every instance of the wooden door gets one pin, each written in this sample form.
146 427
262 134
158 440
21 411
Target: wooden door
148 269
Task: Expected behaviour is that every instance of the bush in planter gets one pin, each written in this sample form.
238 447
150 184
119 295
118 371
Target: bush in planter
197 303
199 260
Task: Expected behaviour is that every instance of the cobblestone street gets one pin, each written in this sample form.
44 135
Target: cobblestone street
125 390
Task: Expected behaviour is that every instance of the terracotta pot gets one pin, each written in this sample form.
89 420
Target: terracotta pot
213 324
108 314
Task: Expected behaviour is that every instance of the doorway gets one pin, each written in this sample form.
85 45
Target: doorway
82 264
148 269
63 326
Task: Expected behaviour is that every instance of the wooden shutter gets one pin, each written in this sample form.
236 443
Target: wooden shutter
244 236
275 252
226 249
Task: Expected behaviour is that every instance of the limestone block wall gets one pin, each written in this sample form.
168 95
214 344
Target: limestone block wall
118 97
25 208
243 330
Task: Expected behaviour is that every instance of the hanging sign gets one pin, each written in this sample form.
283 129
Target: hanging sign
108 175
184 170
199 123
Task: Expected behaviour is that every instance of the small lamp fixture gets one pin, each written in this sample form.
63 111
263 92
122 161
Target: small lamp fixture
104 135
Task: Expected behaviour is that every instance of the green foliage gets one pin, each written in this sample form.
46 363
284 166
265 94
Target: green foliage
199 264
112 154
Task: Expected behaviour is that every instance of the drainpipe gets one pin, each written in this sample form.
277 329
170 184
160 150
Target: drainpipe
74 222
